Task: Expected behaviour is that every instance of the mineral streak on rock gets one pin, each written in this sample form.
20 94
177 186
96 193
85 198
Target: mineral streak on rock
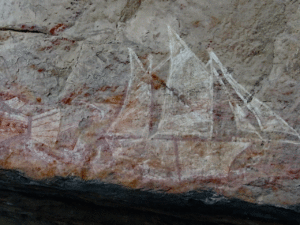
171 96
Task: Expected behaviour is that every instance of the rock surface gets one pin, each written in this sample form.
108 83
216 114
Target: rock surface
104 91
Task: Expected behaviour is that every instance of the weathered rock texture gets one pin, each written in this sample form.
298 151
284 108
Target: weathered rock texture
105 91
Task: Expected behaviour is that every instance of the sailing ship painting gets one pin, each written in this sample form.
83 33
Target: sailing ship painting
186 142
194 124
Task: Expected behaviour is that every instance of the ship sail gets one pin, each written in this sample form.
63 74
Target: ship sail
187 108
45 127
133 119
14 103
242 123
268 120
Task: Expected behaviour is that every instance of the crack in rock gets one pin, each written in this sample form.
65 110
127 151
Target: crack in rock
23 30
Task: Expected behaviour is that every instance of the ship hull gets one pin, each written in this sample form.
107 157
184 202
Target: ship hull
174 159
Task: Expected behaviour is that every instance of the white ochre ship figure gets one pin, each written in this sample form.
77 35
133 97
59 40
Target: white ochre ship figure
185 133
190 136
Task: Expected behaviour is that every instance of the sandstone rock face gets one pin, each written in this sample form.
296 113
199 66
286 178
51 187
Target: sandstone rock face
172 95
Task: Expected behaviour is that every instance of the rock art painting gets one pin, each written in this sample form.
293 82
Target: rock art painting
209 131
185 145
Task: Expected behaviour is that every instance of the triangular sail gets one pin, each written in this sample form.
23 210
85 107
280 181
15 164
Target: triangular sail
187 108
14 103
242 123
45 127
133 119
266 118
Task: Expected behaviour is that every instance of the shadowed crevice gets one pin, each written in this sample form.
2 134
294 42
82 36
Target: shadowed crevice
130 10
94 202
35 31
